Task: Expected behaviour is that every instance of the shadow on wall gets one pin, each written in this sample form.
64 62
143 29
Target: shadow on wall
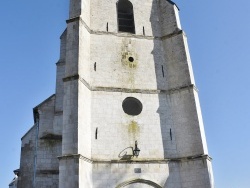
126 154
165 109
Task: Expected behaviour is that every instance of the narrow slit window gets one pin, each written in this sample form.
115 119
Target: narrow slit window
95 66
171 136
96 133
162 69
143 30
125 16
107 27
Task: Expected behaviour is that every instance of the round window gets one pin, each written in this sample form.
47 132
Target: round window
132 106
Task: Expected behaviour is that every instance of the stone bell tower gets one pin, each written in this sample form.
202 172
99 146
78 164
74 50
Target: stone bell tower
129 84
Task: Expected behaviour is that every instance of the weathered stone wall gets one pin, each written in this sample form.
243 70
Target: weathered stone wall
150 14
114 70
98 68
114 174
40 164
25 179
49 147
196 174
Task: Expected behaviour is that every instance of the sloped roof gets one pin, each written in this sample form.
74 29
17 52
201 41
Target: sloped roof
14 181
35 109
173 3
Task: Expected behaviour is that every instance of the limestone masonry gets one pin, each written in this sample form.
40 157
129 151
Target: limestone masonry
126 111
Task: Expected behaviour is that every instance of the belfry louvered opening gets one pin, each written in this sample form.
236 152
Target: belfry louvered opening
125 15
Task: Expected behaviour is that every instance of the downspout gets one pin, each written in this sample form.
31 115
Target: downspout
36 116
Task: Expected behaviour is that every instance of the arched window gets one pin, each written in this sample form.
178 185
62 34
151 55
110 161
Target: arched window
125 15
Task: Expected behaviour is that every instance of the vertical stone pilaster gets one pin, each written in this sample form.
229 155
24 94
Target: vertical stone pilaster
69 173
75 8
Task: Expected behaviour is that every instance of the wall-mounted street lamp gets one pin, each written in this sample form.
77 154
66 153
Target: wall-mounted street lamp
136 151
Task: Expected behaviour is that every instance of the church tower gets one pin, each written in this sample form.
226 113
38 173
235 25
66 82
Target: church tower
129 84
126 111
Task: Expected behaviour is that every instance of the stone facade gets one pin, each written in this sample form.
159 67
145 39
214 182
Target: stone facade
83 136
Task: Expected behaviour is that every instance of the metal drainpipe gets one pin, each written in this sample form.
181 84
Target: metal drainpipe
35 154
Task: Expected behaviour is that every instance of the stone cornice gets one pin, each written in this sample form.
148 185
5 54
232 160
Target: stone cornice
51 136
73 19
175 33
134 161
126 90
75 156
122 34
60 63
71 78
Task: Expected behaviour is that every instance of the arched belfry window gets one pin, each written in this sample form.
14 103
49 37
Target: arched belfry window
125 15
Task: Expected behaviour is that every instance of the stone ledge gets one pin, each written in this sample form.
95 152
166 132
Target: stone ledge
126 90
144 91
60 63
73 19
71 78
51 137
175 33
191 158
74 156
134 161
122 34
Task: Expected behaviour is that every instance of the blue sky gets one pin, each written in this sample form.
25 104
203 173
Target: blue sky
220 51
